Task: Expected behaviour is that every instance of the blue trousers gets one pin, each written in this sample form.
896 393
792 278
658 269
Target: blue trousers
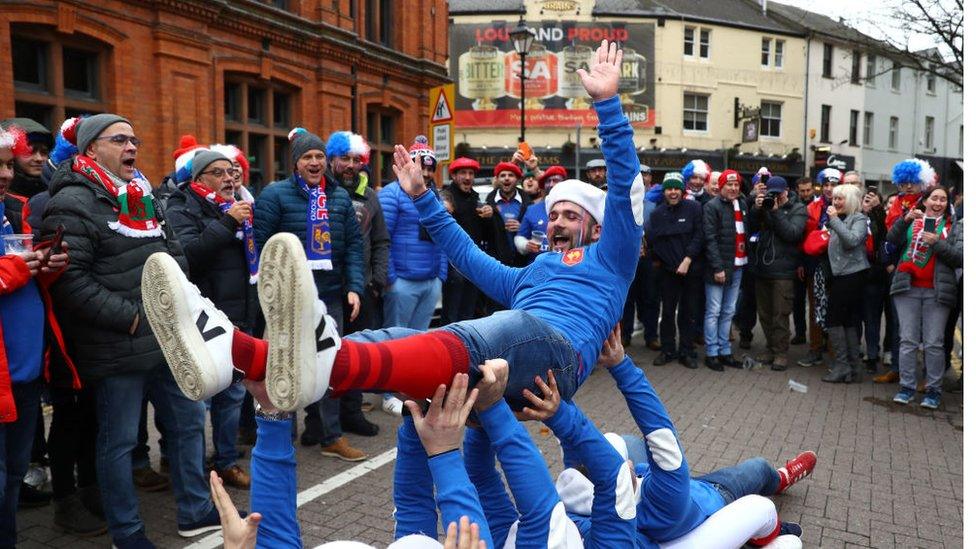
752 476
16 441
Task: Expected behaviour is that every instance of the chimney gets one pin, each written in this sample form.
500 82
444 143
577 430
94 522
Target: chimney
842 21
763 2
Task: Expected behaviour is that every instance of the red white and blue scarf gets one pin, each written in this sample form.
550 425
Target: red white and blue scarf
318 238
245 233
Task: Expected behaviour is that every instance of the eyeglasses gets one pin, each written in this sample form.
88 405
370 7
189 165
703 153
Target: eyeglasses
220 172
122 139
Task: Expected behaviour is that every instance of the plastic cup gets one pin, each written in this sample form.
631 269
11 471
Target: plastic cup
509 216
17 244
538 237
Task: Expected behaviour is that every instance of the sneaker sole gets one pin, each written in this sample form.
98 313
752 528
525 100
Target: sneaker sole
928 406
900 401
287 293
197 531
174 328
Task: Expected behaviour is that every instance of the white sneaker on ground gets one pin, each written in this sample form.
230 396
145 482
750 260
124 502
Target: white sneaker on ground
194 335
302 338
392 405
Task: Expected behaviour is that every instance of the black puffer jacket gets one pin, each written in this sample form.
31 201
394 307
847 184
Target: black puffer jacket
215 256
718 221
776 252
99 294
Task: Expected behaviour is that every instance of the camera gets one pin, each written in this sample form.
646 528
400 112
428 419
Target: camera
768 202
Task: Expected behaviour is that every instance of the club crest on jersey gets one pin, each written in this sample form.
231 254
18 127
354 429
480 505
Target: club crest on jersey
573 257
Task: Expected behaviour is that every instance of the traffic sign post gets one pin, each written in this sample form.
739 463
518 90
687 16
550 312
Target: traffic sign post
441 107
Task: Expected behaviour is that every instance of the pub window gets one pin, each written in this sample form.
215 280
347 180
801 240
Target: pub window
855 67
828 61
380 15
929 132
896 77
868 129
770 119
696 112
852 135
872 69
55 75
381 132
257 118
778 57
825 123
893 132
764 54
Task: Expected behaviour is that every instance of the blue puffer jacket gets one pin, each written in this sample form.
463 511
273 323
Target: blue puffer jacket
411 257
283 206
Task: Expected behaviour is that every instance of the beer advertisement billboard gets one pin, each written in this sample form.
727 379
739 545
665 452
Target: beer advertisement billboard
486 68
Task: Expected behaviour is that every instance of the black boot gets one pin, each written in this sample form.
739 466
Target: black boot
31 497
712 363
71 515
841 371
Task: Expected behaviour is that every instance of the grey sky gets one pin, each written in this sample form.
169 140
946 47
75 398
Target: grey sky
872 17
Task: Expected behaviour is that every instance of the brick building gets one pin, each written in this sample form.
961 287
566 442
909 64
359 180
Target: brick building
236 71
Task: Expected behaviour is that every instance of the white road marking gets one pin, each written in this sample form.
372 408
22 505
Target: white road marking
216 540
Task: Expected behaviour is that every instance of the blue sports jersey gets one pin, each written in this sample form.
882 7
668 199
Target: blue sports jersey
580 293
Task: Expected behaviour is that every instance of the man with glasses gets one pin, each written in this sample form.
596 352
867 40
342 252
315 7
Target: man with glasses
314 205
112 225
216 231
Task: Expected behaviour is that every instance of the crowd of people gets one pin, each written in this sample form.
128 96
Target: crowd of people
199 299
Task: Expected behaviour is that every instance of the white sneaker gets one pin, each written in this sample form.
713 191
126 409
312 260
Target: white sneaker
194 335
393 406
302 338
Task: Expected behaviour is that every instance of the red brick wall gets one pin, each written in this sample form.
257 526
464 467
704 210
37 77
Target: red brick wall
167 61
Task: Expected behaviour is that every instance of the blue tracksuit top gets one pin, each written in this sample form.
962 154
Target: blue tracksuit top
274 485
671 503
414 480
608 526
580 293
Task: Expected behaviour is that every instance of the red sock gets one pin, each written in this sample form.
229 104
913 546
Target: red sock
782 481
413 365
766 540
249 355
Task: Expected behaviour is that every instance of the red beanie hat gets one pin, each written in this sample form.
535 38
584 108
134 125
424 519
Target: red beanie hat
508 167
728 175
462 163
554 170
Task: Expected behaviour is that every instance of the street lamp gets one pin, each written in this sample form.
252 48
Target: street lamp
521 38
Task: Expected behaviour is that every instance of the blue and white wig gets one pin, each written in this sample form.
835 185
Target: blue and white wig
914 172
696 167
346 143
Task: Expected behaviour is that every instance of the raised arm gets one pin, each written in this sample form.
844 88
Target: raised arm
623 215
479 460
414 509
487 273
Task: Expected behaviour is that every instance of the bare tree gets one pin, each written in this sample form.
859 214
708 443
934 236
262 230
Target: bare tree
939 20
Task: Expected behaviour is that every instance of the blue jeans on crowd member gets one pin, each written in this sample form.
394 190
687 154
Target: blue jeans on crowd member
118 399
322 418
921 320
644 298
720 302
140 454
225 415
411 303
460 296
528 344
16 442
752 476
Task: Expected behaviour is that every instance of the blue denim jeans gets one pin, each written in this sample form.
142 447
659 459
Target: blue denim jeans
411 303
752 476
720 302
528 344
225 414
118 400
16 440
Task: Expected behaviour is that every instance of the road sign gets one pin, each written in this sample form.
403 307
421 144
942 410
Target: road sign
441 106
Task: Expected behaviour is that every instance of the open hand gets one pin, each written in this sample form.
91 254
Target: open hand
603 78
612 352
542 408
239 533
442 429
465 536
408 172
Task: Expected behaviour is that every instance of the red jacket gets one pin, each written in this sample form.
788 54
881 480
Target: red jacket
14 274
